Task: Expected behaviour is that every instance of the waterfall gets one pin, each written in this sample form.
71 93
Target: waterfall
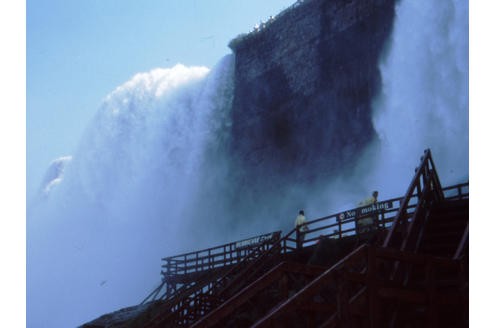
423 103
151 174
95 240
424 99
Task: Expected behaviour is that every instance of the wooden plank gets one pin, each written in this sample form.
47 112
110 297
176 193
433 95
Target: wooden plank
317 307
263 238
355 277
402 294
414 258
330 322
313 287
372 287
462 243
241 297
254 288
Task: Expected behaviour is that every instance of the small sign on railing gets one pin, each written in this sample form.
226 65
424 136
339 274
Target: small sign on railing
254 241
363 211
373 208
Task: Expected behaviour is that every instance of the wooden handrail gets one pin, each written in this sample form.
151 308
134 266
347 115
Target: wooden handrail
312 224
206 257
261 237
283 245
463 243
426 185
207 289
310 289
185 290
259 285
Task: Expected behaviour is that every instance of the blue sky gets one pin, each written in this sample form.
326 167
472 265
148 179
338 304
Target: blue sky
79 51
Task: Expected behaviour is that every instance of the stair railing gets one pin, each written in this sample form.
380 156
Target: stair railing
213 257
191 303
203 261
424 188
342 224
278 276
427 188
306 294
462 244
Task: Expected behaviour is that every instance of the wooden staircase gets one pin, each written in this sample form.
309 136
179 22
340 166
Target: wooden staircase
445 228
418 278
411 270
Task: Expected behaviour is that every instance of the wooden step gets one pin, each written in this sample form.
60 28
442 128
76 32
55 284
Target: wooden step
442 236
441 251
459 203
448 217
445 225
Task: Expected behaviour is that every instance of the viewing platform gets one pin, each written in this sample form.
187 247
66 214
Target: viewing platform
410 268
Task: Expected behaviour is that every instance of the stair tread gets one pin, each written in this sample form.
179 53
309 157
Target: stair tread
447 232
452 203
442 239
453 224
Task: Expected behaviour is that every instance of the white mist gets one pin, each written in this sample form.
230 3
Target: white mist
96 240
423 104
424 100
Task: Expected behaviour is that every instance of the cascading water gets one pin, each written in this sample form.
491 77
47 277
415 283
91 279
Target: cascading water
151 173
95 241
424 99
423 104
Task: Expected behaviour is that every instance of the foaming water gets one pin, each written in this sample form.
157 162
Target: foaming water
95 241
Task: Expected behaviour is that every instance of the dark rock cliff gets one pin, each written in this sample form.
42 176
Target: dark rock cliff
304 85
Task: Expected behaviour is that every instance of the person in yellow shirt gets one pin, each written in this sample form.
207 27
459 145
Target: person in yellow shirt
365 224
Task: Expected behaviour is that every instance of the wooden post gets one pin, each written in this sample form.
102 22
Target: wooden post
373 309
196 264
283 286
298 239
343 302
432 315
168 275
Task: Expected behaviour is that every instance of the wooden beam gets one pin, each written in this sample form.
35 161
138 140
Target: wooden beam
402 294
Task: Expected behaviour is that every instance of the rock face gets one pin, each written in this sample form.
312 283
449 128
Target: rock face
304 84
